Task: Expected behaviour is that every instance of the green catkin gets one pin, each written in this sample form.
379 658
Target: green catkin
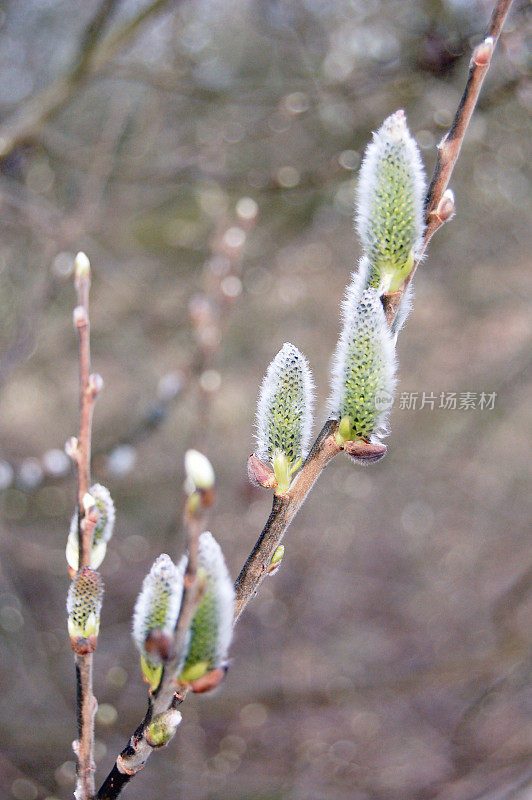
363 367
284 414
389 211
212 625
84 603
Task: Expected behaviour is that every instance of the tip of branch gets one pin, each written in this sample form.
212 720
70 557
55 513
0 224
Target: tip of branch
483 52
82 269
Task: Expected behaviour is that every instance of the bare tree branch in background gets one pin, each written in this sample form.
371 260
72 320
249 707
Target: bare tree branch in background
60 231
94 53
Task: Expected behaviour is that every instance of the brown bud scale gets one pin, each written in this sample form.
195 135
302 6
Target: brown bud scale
259 474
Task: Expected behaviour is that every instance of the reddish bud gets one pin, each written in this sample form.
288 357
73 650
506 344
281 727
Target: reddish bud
483 52
209 681
364 452
259 474
83 646
95 384
160 645
445 208
79 317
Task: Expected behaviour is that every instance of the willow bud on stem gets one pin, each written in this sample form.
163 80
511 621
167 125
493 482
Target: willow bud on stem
155 615
389 212
363 373
84 604
211 630
284 417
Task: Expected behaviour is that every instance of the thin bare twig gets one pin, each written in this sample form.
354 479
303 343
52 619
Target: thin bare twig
439 204
92 56
439 208
90 385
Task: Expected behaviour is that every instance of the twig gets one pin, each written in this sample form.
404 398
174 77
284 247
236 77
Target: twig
439 203
90 386
168 694
284 509
439 208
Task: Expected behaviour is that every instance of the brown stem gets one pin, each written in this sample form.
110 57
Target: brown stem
89 387
86 410
449 148
284 509
86 709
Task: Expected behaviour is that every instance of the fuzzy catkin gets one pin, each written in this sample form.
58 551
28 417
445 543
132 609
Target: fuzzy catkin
284 409
389 212
103 529
364 364
211 630
84 603
159 601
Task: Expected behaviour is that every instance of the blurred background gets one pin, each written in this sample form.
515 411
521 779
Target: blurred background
204 154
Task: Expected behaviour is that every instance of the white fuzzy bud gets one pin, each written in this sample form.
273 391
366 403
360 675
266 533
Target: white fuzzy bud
390 214
82 270
363 371
199 471
103 501
99 498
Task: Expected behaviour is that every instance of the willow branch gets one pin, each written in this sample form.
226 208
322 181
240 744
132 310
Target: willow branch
284 509
90 385
325 448
439 208
439 204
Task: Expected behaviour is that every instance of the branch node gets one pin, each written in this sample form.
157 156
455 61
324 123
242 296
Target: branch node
95 384
80 317
483 52
446 208
72 448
